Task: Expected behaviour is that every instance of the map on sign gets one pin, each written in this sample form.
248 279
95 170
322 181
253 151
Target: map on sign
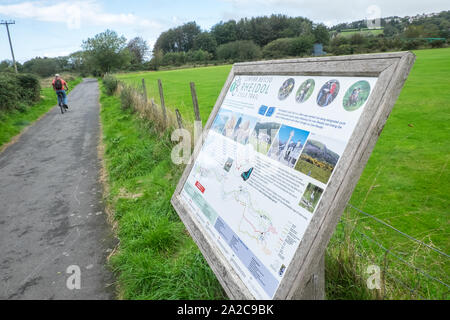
265 164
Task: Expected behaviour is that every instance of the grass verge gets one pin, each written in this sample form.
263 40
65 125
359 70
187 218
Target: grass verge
12 123
157 259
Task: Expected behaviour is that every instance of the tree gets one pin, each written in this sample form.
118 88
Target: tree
206 42
390 30
285 47
225 32
188 33
78 62
178 39
107 51
431 31
414 31
43 67
239 51
157 60
138 48
6 66
321 34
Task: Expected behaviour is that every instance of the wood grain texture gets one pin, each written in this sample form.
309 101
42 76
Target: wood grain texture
392 70
144 88
195 102
163 103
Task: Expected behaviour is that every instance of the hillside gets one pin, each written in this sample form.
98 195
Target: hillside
319 151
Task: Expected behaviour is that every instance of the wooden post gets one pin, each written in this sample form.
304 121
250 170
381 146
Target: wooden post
195 102
198 126
315 287
152 103
163 104
144 87
179 119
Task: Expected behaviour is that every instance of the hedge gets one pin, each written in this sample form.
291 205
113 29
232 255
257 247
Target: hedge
17 90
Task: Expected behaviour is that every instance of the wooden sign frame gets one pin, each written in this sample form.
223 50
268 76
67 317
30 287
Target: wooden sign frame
391 69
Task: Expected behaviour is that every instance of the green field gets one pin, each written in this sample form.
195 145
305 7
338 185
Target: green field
176 84
405 183
350 32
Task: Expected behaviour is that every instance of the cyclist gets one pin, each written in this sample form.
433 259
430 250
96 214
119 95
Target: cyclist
59 85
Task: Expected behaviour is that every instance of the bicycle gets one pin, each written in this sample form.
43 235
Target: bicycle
61 102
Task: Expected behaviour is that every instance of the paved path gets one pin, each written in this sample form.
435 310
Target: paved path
51 214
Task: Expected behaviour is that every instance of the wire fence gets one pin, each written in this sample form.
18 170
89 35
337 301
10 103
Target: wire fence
414 290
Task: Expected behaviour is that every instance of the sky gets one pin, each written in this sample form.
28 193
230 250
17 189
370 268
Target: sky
52 28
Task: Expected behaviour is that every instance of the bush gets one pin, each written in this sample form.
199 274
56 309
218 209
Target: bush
338 41
18 90
357 39
343 49
411 45
285 47
278 48
198 56
301 46
111 84
30 87
9 93
174 59
242 50
126 97
437 44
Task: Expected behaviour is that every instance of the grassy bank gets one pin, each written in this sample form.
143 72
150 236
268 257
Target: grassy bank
12 123
157 259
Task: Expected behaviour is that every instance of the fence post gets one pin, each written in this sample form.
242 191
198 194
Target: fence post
315 288
144 87
163 104
198 127
179 119
195 102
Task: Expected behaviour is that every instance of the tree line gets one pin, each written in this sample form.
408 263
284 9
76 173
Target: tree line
272 36
268 37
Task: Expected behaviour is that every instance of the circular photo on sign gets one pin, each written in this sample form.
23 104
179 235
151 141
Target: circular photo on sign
305 91
356 96
328 93
286 89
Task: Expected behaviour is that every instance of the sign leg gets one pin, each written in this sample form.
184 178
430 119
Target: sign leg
314 289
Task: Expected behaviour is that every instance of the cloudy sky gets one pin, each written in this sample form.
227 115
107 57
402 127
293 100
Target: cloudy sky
52 28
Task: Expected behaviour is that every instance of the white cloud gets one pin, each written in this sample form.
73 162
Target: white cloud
74 14
336 11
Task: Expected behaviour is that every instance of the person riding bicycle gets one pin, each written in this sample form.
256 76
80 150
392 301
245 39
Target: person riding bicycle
59 85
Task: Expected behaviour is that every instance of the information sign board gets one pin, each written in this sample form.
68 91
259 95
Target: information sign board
285 146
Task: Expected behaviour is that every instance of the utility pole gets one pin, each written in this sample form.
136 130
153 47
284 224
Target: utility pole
7 23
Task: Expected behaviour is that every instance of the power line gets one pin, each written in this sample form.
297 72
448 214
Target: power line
7 23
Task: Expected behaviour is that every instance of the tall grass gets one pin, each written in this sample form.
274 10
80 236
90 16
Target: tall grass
157 259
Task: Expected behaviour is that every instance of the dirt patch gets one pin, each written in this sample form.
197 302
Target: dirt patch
124 194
